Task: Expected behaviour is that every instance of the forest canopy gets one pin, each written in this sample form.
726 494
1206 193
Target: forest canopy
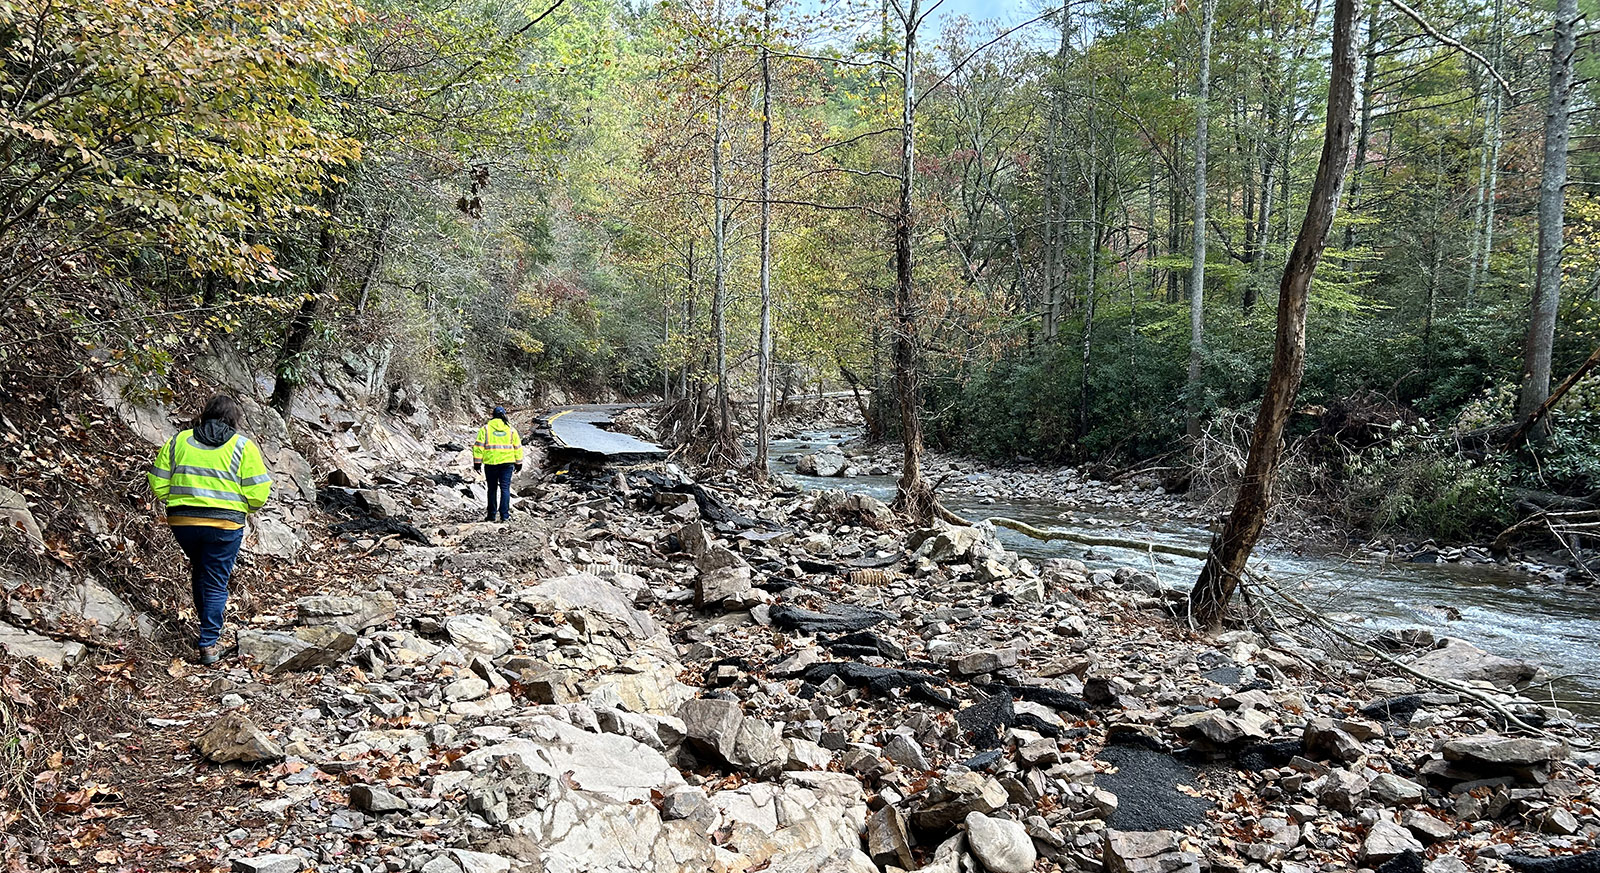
1077 260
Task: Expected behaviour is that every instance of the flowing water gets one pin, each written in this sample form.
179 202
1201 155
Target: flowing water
1501 610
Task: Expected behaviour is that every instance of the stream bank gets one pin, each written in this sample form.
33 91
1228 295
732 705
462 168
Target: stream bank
1517 609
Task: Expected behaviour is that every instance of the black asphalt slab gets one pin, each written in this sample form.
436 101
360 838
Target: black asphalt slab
583 429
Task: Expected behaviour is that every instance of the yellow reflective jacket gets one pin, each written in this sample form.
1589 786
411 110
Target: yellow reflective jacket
497 443
223 482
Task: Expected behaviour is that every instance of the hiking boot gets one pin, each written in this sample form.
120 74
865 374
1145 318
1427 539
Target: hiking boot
209 655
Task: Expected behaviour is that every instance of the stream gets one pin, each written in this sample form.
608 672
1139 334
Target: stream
1503 611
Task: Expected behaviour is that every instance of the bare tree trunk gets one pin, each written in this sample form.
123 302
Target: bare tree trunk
913 497
1483 233
723 449
1536 348
1229 553
288 368
1364 133
764 356
1197 272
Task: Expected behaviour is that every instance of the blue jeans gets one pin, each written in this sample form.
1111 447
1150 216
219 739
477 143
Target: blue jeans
498 477
212 552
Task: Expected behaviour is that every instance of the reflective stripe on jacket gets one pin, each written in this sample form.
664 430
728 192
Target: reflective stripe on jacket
497 443
228 478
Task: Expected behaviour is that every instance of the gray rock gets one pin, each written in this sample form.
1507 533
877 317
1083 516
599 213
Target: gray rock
828 463
1221 729
888 842
269 864
479 634
236 739
1324 739
1002 845
480 862
589 593
1386 841
15 515
688 804
357 612
306 648
906 752
466 688
1343 790
1427 828
720 584
720 728
25 644
1146 852
1393 789
1509 753
948 801
1558 821
1461 661
986 661
376 800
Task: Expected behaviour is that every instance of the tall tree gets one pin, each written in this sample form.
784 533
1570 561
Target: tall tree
913 496
764 349
1230 551
1197 271
1540 339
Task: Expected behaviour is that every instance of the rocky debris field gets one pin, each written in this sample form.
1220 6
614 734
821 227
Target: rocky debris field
644 673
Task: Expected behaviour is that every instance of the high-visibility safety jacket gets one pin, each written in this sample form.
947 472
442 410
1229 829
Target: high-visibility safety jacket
497 443
220 483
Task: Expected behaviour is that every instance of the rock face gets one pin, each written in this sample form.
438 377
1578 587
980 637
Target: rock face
306 648
1002 845
1461 661
236 739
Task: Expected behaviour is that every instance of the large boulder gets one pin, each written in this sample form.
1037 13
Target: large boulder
357 612
827 463
1461 661
720 728
305 648
1526 759
589 593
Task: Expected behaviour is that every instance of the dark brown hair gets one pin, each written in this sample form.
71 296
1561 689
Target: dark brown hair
226 408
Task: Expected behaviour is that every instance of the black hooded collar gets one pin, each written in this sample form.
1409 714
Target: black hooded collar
213 432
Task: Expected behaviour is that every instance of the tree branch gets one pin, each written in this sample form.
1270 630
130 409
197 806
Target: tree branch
1429 29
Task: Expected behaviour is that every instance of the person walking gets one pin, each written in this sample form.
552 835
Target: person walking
207 479
498 453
